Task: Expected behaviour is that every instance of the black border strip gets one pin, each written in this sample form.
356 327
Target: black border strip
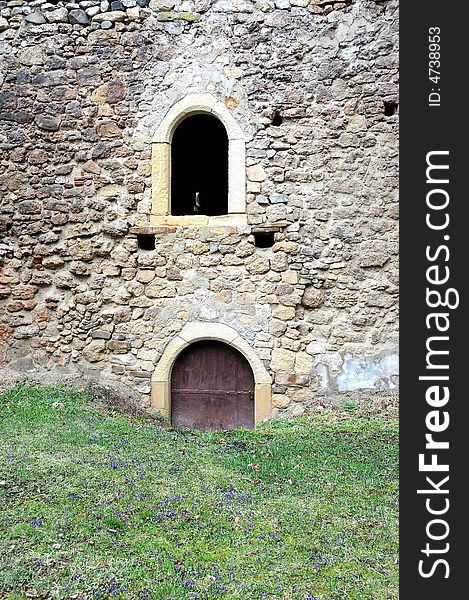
429 124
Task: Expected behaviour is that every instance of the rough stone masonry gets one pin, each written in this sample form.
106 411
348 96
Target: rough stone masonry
313 86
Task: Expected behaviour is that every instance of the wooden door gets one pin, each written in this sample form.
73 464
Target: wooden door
212 387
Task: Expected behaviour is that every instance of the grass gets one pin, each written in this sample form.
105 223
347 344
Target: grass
97 504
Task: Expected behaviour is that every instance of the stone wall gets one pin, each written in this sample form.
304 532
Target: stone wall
83 87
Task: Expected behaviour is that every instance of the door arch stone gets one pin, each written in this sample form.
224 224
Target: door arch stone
193 332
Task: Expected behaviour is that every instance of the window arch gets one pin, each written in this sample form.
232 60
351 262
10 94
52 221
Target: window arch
199 167
166 207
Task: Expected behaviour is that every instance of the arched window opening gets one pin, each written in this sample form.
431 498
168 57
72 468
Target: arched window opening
199 167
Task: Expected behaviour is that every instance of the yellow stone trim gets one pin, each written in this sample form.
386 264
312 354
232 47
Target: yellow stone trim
234 220
161 179
178 220
161 153
262 402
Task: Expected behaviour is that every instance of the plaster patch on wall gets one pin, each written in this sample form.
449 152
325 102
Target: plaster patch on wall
323 375
351 374
367 373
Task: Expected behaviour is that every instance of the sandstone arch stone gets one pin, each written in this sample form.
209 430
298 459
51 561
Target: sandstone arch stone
194 104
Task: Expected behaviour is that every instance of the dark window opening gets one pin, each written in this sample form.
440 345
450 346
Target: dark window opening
390 108
146 242
277 118
264 240
199 167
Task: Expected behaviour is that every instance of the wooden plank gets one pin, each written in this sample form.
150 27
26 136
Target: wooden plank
212 388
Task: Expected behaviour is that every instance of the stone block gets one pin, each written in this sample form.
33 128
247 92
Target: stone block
145 276
282 360
177 16
94 351
118 346
35 17
115 16
101 335
280 400
256 173
109 129
257 265
284 313
78 17
122 315
25 292
79 268
26 331
81 250
47 122
164 5
313 297
110 93
60 15
342 298
303 363
285 246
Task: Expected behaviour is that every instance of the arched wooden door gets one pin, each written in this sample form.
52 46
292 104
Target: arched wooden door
212 387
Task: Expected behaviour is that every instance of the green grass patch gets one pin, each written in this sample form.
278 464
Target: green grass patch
95 504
